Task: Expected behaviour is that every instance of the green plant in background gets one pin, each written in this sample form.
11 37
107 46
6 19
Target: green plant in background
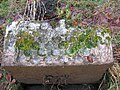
7 82
111 79
88 12
11 7
4 8
26 42
74 11
116 37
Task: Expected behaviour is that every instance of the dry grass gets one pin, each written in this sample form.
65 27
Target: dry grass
111 79
114 77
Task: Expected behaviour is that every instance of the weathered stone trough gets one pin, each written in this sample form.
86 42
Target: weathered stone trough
48 74
49 57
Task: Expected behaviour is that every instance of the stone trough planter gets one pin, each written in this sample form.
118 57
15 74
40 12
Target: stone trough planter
37 53
49 74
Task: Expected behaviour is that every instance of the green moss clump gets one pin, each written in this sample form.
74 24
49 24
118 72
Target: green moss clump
26 42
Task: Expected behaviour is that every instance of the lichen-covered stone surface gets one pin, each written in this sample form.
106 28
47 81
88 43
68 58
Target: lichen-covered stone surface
53 46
